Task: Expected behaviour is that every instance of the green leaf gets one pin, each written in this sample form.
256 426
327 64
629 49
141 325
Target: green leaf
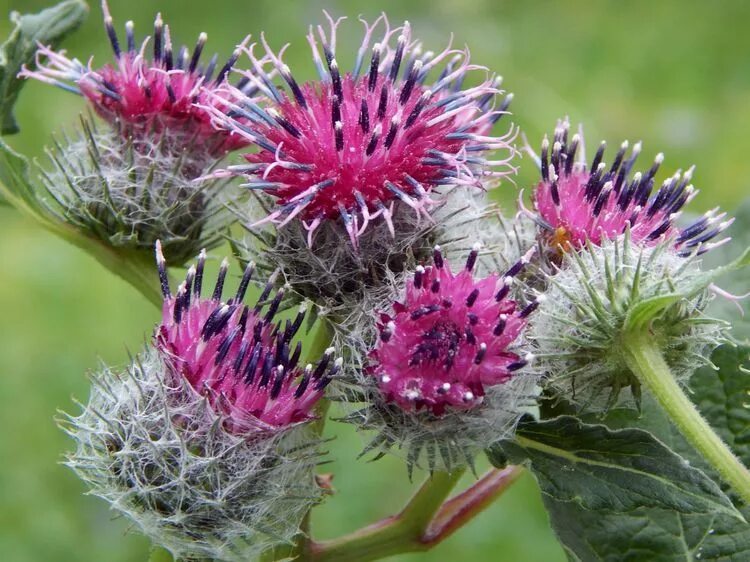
642 313
597 468
722 265
48 27
649 533
723 397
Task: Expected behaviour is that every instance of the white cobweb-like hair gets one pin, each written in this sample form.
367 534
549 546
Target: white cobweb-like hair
578 349
445 442
345 281
130 192
152 447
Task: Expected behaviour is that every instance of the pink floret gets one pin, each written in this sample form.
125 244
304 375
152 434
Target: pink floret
240 357
150 90
350 146
575 203
449 339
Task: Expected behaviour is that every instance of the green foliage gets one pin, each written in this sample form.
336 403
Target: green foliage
598 469
589 523
601 531
48 27
723 396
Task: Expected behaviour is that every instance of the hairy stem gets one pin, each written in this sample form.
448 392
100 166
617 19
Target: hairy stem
647 363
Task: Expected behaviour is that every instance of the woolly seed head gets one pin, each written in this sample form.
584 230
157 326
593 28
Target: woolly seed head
444 376
156 450
574 203
240 357
129 195
576 333
149 89
351 148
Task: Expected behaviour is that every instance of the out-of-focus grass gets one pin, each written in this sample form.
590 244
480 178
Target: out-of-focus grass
674 74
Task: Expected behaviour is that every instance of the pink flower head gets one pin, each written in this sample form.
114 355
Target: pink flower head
351 146
574 203
236 355
148 96
449 338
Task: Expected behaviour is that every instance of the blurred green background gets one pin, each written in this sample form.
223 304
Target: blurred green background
675 74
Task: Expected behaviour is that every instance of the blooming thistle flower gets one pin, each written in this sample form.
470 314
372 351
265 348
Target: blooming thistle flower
146 97
574 203
577 333
202 441
448 339
444 376
134 182
237 356
351 147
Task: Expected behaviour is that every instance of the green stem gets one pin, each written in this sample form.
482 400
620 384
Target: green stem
462 508
647 363
321 341
299 551
393 535
158 554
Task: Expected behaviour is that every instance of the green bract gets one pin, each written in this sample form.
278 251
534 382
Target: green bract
603 292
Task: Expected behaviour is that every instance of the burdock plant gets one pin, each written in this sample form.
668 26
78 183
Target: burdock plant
382 286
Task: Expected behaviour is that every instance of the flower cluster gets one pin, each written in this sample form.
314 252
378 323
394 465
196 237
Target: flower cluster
575 204
361 189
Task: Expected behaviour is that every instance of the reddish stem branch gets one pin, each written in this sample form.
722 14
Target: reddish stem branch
420 526
462 508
